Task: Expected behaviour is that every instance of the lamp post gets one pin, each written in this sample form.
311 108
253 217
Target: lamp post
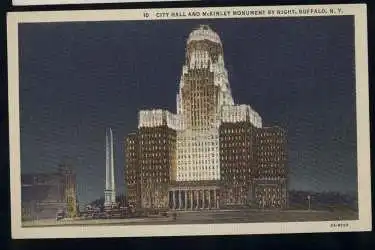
309 201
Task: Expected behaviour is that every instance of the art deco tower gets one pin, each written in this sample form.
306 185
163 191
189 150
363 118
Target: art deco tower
204 89
109 192
213 153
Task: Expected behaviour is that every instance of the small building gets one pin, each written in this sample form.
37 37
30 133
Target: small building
44 194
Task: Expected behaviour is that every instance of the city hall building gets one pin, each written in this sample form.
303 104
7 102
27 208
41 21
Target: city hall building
211 154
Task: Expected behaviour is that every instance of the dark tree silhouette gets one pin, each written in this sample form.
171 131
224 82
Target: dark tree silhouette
100 202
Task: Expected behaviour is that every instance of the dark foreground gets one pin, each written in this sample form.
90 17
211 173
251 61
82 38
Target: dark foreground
210 217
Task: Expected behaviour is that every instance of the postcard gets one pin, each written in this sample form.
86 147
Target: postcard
60 2
189 121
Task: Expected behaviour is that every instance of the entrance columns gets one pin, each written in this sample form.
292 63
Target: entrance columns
185 194
209 198
203 199
174 199
197 199
191 199
215 198
179 199
194 198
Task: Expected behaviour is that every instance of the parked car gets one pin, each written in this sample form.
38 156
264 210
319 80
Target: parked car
60 215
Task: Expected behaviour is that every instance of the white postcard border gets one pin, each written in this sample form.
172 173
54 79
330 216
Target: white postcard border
79 2
363 130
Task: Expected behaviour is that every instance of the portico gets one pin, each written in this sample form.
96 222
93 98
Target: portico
191 197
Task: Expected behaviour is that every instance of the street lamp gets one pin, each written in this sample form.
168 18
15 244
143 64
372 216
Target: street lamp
309 201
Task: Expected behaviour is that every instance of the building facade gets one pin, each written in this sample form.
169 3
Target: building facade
271 178
43 195
238 163
132 171
210 154
151 156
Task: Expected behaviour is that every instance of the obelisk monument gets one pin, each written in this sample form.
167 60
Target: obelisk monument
109 192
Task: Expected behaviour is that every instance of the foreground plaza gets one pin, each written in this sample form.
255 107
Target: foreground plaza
208 217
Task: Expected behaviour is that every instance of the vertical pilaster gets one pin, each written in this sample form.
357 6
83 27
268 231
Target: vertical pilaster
179 199
203 199
215 203
197 199
169 201
209 199
174 199
191 199
185 196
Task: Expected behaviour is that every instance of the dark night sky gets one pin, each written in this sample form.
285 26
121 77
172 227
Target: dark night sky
76 79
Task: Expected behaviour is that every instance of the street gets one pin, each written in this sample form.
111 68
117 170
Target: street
208 217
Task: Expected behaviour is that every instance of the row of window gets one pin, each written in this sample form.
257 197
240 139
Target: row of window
269 153
158 141
225 167
237 150
131 155
183 151
236 182
182 139
224 155
197 173
198 162
155 148
270 133
200 105
270 165
231 151
195 168
224 142
152 135
197 154
153 154
191 155
271 204
235 157
238 190
225 152
192 177
234 130
235 170
131 182
154 162
159 179
152 143
267 189
131 141
230 161
200 124
273 141
269 159
268 196
191 143
270 172
235 137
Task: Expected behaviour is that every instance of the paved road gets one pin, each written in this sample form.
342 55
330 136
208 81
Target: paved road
208 217
263 216
76 222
